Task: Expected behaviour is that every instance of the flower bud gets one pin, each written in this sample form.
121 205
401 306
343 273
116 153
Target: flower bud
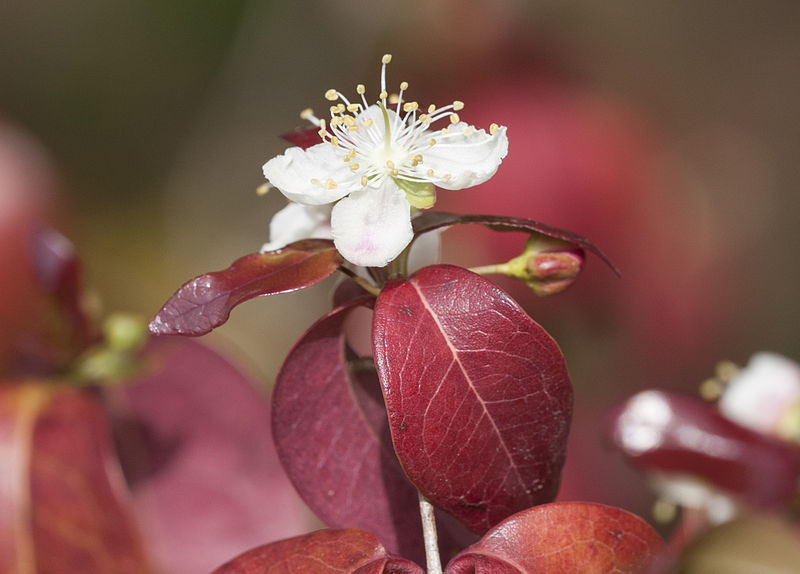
547 265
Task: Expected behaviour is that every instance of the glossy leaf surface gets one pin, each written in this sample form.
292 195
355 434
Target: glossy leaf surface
347 551
562 537
329 424
431 220
194 438
478 394
673 433
62 503
206 301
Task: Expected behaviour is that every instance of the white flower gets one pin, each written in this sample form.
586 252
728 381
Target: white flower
295 222
376 162
765 396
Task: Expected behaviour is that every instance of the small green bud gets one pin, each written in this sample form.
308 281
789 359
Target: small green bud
547 265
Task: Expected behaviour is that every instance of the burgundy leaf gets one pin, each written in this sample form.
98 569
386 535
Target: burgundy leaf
205 302
195 442
478 394
325 551
304 138
59 272
562 537
62 503
431 220
329 424
673 433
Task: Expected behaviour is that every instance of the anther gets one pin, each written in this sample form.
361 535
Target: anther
386 59
431 108
395 172
383 95
410 107
331 95
353 108
493 129
368 122
354 166
360 89
458 105
389 164
394 98
403 86
306 114
330 184
315 181
430 173
454 119
335 141
364 181
263 189
432 142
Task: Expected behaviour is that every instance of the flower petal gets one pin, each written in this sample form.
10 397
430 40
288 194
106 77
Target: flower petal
295 222
372 226
315 176
464 156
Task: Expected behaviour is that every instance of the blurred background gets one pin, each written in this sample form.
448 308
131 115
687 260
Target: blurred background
665 132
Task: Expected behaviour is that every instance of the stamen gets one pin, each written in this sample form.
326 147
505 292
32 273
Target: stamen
458 105
383 95
361 89
386 59
410 107
493 129
454 119
331 95
431 108
353 108
403 86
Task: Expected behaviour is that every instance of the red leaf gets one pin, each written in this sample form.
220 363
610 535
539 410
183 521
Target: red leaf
329 424
562 537
321 552
677 434
62 505
194 438
205 302
431 220
478 394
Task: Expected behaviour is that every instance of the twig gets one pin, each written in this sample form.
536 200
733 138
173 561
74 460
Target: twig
429 533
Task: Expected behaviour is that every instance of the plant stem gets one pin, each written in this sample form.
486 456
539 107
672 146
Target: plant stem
498 269
429 533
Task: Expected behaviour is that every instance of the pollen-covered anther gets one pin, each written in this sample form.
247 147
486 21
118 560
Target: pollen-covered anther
432 142
364 181
404 86
383 95
467 131
307 114
336 121
352 128
395 172
349 120
354 166
458 105
330 184
386 59
368 122
394 98
454 119
331 95
430 173
361 89
416 160
493 129
431 108
389 164
410 107
353 108
315 181
334 141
